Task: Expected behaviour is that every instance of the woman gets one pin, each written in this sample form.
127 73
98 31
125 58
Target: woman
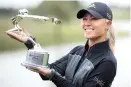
92 65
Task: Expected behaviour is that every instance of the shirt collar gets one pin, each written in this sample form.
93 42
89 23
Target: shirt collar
99 47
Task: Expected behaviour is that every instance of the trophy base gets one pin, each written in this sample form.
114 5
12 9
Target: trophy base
33 66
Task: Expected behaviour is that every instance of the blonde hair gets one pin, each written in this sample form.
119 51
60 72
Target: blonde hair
111 37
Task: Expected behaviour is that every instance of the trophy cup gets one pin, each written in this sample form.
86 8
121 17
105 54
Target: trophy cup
36 57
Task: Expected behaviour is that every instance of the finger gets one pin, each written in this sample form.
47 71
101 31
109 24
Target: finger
41 70
17 32
44 71
17 37
12 35
32 69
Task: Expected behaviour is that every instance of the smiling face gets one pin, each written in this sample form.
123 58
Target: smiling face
94 28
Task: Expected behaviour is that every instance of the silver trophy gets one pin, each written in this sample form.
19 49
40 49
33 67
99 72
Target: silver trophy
36 57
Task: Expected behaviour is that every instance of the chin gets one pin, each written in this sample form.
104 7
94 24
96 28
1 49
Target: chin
89 37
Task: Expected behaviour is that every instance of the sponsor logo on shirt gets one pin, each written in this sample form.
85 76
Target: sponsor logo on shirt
98 81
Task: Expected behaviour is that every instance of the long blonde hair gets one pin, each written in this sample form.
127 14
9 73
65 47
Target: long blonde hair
111 37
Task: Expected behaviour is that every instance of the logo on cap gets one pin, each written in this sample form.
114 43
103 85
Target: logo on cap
92 5
108 15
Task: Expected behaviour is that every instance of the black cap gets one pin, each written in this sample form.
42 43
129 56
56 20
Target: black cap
98 10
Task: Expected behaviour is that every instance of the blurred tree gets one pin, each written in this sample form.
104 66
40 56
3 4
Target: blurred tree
63 10
7 12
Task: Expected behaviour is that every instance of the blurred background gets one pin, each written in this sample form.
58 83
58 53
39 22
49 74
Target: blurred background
58 40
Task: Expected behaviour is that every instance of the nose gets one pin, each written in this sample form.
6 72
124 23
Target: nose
87 22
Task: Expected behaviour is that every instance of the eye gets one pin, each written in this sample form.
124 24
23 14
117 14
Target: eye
84 18
93 18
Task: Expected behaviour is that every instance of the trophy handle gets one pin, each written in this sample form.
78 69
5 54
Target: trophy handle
23 14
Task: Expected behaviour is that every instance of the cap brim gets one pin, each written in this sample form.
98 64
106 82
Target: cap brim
82 13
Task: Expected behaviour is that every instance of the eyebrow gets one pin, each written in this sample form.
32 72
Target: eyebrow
90 16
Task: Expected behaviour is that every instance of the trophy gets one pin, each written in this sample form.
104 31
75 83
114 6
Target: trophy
36 57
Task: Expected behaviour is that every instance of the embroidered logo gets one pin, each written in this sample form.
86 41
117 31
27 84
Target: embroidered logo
108 15
92 5
98 81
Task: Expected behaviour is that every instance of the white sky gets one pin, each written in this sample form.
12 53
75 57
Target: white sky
29 3
115 2
19 3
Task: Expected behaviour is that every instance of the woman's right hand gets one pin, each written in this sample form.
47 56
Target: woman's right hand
18 35
21 37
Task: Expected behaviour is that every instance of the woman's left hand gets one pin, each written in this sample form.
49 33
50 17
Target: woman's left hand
44 71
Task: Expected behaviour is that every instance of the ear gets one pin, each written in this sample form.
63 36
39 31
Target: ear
109 23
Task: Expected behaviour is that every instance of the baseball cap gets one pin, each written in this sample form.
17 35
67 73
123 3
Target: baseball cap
98 10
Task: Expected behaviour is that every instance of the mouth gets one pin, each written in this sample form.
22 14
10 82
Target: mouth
88 29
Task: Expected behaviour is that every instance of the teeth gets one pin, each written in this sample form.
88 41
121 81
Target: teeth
88 29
